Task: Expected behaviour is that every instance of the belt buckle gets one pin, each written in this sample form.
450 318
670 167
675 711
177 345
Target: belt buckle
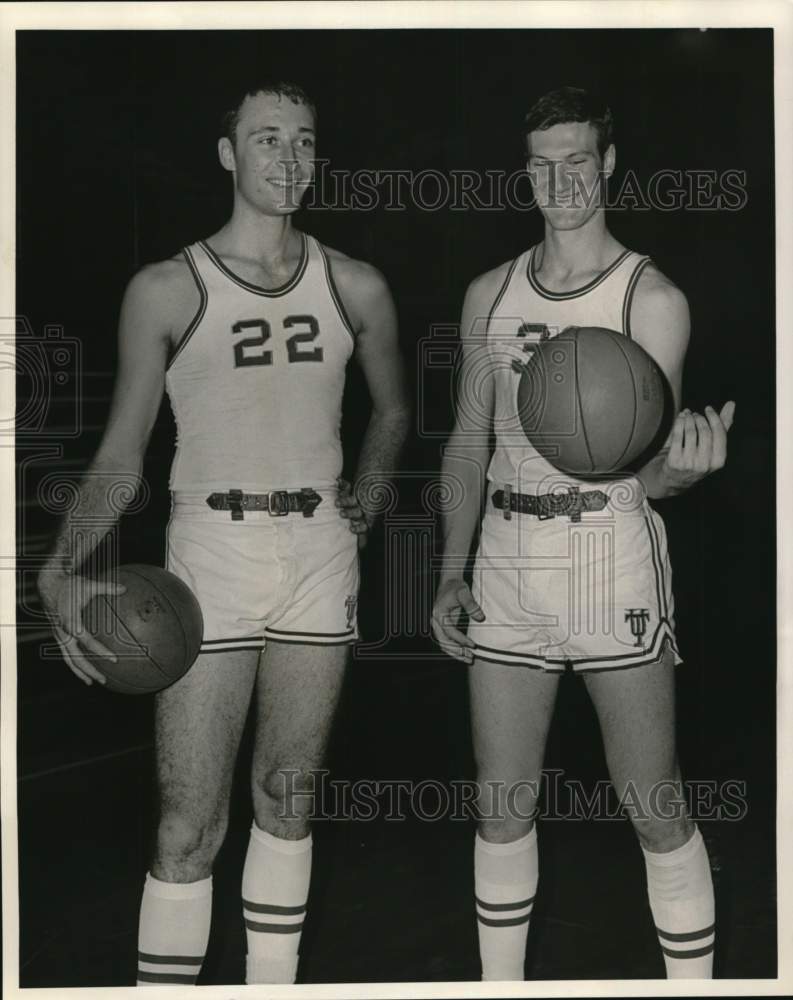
278 503
576 504
235 504
507 502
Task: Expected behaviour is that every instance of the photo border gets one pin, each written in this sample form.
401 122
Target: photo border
460 14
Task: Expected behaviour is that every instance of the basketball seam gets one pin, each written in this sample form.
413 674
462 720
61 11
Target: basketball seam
581 411
635 402
174 611
149 657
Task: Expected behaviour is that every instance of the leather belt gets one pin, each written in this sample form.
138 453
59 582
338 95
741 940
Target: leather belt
547 505
277 503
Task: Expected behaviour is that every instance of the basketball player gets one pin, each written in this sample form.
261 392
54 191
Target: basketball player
570 575
250 332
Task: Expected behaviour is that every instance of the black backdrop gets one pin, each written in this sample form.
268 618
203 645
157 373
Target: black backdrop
116 164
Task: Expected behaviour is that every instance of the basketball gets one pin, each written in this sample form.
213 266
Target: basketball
155 629
593 402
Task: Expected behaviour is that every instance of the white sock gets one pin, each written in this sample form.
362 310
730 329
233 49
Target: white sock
505 881
173 930
274 893
680 888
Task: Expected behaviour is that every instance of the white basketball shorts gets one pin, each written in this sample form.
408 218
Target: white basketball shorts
289 579
558 594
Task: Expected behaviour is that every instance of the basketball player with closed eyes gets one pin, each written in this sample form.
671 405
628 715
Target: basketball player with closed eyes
570 575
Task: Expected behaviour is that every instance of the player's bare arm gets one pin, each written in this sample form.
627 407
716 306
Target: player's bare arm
371 310
157 300
697 444
464 466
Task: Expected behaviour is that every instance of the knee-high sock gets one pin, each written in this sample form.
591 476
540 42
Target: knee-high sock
505 882
173 930
680 888
274 893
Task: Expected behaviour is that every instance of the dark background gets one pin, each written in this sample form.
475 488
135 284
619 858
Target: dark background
116 167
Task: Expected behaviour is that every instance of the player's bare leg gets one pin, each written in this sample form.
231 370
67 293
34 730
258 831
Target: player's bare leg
297 692
636 711
198 726
511 710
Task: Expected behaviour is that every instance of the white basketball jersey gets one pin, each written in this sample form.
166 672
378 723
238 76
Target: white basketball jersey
256 381
523 313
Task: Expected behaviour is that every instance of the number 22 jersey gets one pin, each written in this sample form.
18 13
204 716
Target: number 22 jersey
257 379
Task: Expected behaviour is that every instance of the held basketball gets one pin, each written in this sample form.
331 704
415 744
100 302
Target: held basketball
594 402
155 629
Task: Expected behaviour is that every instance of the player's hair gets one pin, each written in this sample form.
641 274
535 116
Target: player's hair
571 104
281 88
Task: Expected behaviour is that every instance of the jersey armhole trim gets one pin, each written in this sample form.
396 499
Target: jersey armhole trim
501 293
202 308
633 281
334 294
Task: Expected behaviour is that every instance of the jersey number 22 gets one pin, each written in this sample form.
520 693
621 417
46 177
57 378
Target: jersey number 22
248 352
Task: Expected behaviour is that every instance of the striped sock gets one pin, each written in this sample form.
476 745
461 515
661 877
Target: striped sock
680 888
274 892
173 930
505 881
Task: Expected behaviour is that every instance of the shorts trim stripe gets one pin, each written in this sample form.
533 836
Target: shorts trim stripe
249 642
520 659
653 655
232 649
247 638
658 566
308 642
324 635
620 661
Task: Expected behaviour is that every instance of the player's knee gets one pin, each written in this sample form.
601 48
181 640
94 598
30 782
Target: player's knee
660 835
508 805
184 839
288 791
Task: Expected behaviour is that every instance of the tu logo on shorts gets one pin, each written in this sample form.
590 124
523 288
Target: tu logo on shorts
350 604
638 617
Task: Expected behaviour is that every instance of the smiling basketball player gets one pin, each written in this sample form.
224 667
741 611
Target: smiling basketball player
250 332
571 576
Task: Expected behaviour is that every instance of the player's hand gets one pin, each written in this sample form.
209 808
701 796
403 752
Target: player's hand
351 510
697 445
452 599
63 598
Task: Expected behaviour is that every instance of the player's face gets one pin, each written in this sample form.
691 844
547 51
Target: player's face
273 156
567 173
